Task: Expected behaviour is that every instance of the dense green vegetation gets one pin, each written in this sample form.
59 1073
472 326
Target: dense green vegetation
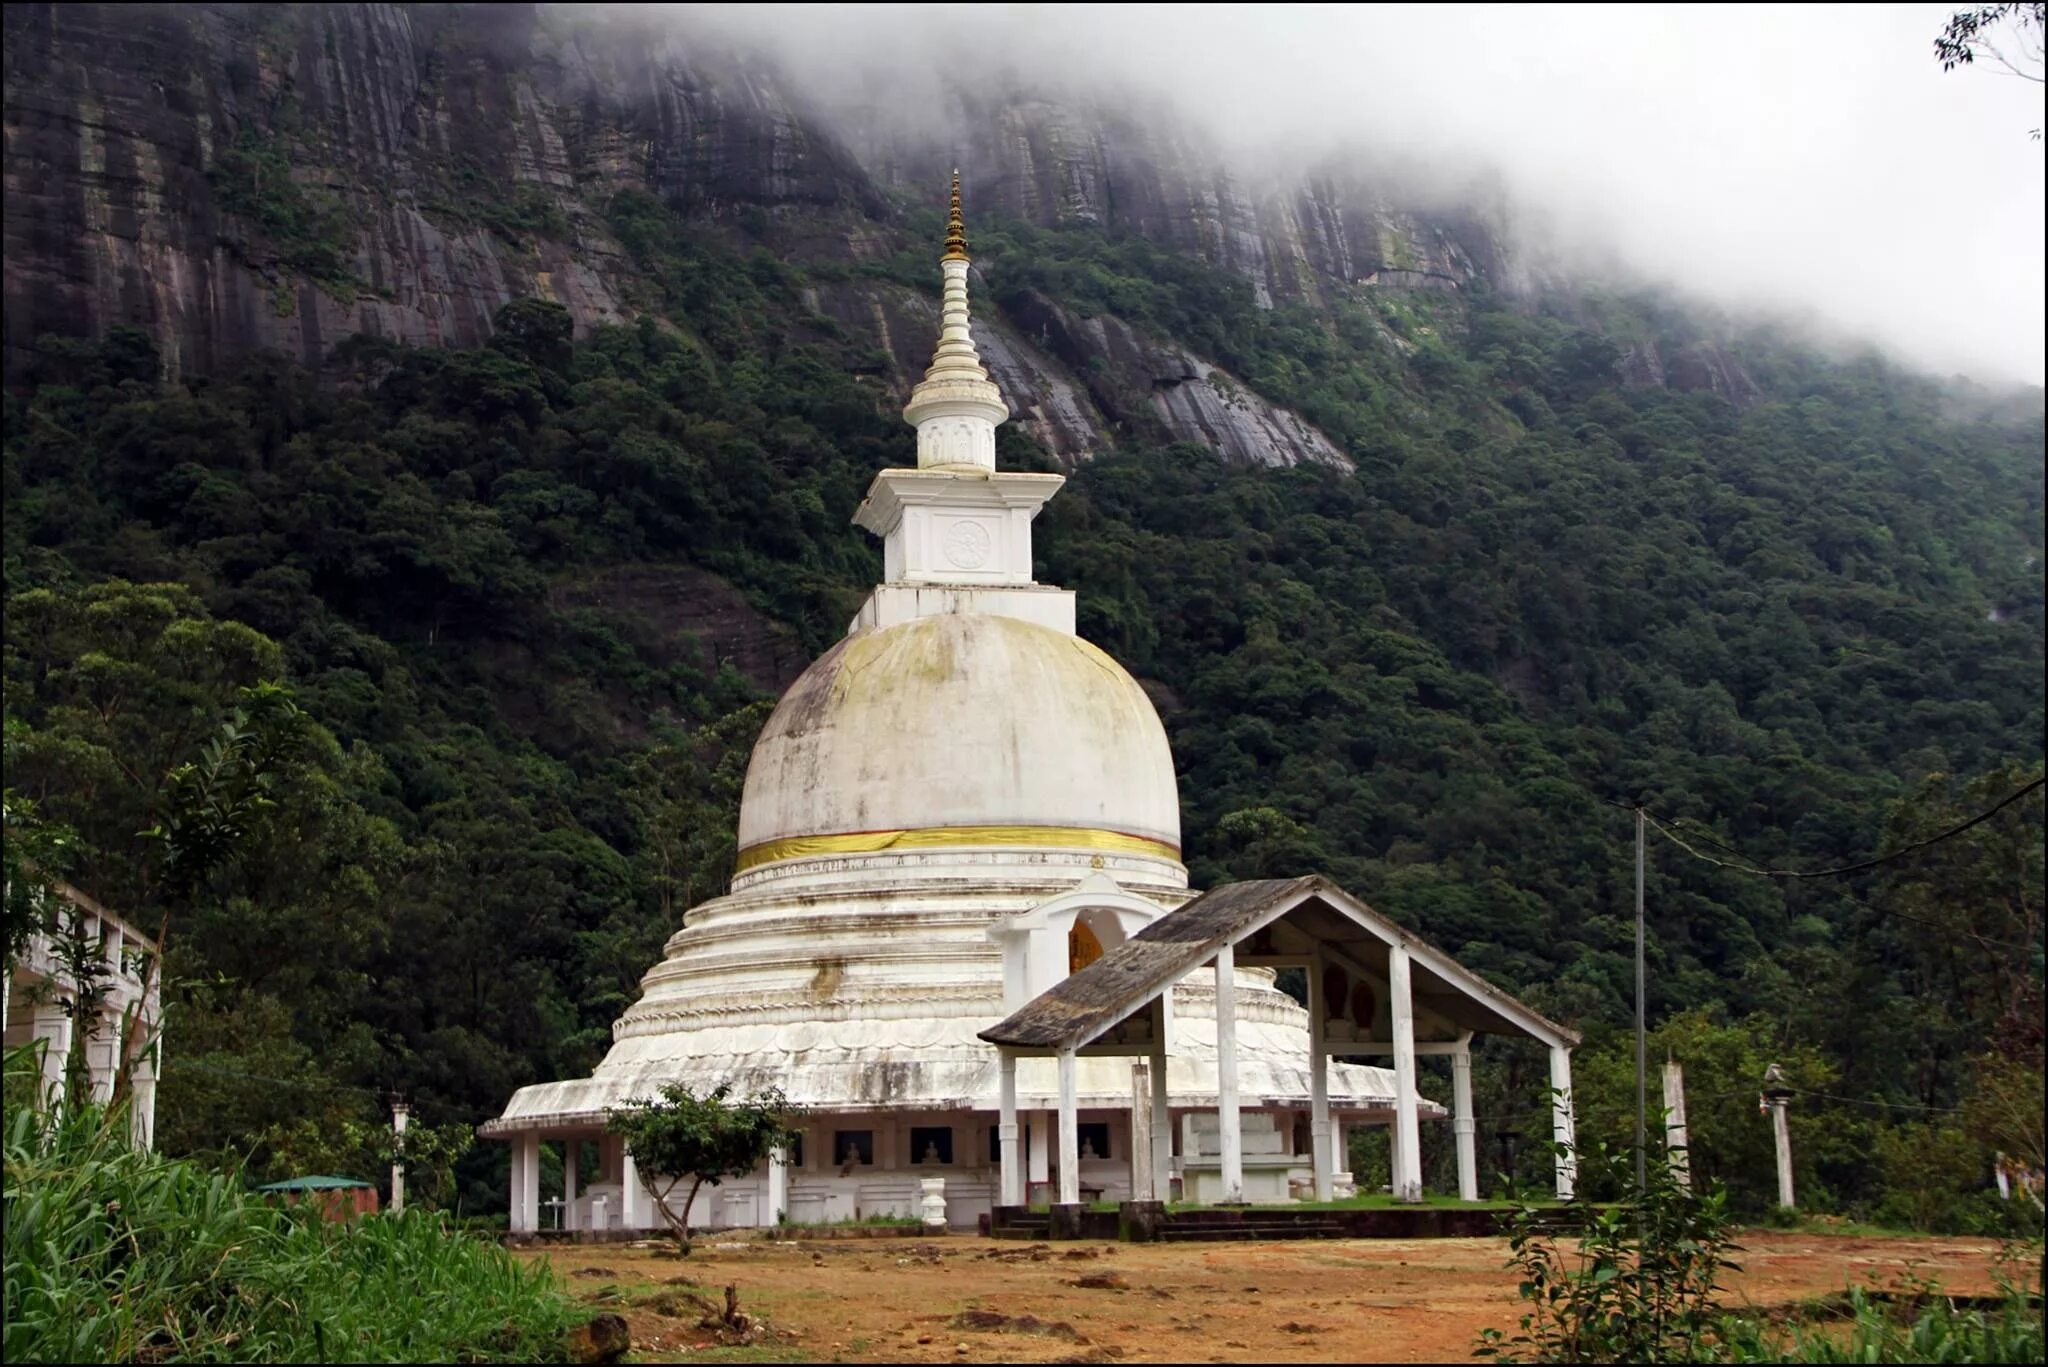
1810 629
114 1255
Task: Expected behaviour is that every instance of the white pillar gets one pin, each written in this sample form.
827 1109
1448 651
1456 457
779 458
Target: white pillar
778 1186
526 1183
1467 1127
1006 1134
632 1200
1320 1153
572 1155
1675 1142
1141 1130
1228 1130
1041 1152
1781 1131
1408 1138
1562 1127
52 1025
142 1091
1162 1116
399 1116
1070 1133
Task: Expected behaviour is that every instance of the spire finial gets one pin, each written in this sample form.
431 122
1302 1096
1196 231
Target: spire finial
956 231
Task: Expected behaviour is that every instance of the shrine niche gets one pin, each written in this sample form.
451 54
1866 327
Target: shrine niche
1083 948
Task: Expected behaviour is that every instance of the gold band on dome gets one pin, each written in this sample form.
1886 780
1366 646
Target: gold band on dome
953 837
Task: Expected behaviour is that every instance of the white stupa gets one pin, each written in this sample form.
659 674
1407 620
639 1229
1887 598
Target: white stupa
956 806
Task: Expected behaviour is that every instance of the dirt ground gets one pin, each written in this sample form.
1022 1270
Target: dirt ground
966 1299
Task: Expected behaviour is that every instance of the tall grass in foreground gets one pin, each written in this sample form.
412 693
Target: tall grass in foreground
1933 1330
119 1256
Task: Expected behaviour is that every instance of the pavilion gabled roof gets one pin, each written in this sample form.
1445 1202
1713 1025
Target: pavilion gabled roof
1084 1005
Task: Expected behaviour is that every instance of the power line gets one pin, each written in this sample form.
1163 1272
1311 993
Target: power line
1913 848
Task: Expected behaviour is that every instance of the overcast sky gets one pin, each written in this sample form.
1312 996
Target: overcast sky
1812 159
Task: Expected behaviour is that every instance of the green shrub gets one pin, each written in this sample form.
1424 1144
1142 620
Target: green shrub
1922 1326
114 1255
1640 1284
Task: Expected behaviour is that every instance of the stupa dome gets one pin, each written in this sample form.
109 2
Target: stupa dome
960 730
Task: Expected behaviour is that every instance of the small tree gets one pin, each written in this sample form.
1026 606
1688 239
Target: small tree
1639 1281
683 1136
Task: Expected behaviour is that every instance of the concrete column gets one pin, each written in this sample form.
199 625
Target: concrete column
52 1025
572 1155
1562 1127
1039 1160
1467 1128
1006 1134
1141 1130
1228 1124
1162 1119
399 1116
1781 1131
142 1093
1675 1142
1320 1152
103 1054
633 1210
1070 1133
526 1183
778 1186
1408 1138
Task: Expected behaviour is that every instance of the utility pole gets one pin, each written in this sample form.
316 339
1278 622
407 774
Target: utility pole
1642 1084
400 1113
1776 1096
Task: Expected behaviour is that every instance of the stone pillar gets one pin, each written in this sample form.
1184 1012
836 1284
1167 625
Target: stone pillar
1162 1119
1039 1160
1320 1153
52 1026
1141 1131
1562 1127
1343 1185
1229 1133
1467 1127
526 1184
1781 1132
572 1154
1070 1133
399 1115
632 1200
1674 1123
1006 1134
1408 1138
142 1093
778 1186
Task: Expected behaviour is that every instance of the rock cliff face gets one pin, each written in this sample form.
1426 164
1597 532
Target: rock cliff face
244 177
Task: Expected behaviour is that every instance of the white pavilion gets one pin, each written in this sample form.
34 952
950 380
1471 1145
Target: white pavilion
957 807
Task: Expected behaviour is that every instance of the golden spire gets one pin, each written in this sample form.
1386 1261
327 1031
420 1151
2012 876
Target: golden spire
956 231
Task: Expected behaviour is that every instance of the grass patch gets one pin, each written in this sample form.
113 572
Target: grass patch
113 1255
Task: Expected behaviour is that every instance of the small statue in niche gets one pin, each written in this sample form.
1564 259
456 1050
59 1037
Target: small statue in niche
1087 1150
852 1159
931 1152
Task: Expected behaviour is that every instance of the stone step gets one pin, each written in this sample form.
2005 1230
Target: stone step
1224 1234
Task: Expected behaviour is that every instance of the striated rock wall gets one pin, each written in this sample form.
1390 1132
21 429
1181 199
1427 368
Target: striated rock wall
241 177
